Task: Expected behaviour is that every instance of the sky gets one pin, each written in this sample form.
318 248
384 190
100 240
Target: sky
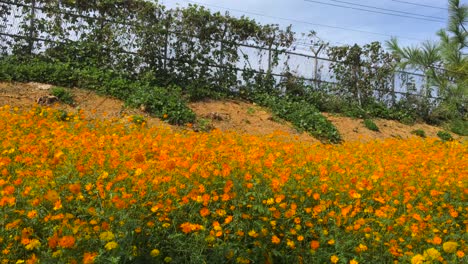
338 25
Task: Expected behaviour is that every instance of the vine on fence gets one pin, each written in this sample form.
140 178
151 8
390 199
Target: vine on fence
360 71
193 49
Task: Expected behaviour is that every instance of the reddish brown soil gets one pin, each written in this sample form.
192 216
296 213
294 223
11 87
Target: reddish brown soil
25 95
354 129
247 118
238 116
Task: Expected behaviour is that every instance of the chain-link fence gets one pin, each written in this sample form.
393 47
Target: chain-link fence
34 27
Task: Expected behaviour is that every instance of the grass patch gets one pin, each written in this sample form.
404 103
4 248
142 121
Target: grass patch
459 127
369 124
419 133
444 136
302 115
64 95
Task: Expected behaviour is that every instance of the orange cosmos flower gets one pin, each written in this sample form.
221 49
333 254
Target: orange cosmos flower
275 239
75 188
314 244
204 212
437 240
89 257
228 219
66 242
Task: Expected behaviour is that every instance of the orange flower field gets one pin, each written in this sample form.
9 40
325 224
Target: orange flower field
80 191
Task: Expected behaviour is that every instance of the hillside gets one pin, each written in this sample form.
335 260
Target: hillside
238 116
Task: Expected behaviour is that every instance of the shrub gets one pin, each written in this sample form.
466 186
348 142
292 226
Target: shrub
161 102
63 95
165 103
444 135
62 115
459 126
419 133
204 125
302 115
138 119
369 124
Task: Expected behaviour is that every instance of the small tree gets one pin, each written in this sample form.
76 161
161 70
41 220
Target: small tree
362 71
443 62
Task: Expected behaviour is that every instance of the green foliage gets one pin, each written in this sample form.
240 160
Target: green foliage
444 135
157 101
444 63
459 126
369 124
203 48
204 125
251 111
63 95
373 109
194 39
302 115
355 70
165 103
419 133
62 115
138 119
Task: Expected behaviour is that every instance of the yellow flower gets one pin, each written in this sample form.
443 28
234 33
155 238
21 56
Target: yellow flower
107 236
361 248
353 261
460 254
138 172
331 242
167 259
270 201
33 244
154 253
252 233
450 246
290 244
418 259
242 260
432 253
111 245
334 259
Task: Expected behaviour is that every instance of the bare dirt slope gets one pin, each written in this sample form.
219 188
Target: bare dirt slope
228 115
245 118
25 95
354 129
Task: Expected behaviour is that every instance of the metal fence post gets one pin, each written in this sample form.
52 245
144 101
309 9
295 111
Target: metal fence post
222 69
31 27
166 41
269 57
393 90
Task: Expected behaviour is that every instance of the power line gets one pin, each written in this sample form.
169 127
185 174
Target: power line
371 11
304 22
416 4
390 10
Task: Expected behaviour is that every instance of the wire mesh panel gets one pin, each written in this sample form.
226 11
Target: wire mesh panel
158 42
